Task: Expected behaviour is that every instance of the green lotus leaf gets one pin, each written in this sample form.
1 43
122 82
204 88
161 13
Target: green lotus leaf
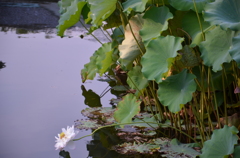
90 69
235 49
174 148
104 59
186 5
177 90
224 13
221 143
70 16
215 50
129 49
236 151
159 56
155 22
101 10
136 5
136 78
193 28
127 109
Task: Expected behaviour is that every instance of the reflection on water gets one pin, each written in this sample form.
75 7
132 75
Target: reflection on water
41 84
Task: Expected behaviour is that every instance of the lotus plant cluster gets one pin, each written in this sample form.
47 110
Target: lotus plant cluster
181 61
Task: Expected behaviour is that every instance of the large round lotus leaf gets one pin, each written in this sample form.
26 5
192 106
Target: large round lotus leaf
101 10
235 49
177 90
159 56
136 5
215 50
186 5
221 143
193 27
155 21
136 78
127 109
129 49
224 13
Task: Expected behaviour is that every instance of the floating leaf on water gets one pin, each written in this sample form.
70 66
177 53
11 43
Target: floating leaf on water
97 112
146 122
87 124
132 148
175 149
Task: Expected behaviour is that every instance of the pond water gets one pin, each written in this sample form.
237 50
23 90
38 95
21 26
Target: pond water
41 84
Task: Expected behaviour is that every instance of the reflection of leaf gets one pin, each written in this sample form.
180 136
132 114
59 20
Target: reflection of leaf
177 90
64 154
221 143
91 98
129 49
175 149
127 109
159 56
224 13
217 42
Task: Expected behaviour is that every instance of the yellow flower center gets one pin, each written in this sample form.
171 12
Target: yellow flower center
62 135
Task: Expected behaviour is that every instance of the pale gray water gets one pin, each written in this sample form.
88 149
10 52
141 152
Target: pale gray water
40 92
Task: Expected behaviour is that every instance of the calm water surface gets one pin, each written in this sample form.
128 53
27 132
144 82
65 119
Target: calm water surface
41 92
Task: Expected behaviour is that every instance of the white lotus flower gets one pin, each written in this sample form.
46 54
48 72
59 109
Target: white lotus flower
65 138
